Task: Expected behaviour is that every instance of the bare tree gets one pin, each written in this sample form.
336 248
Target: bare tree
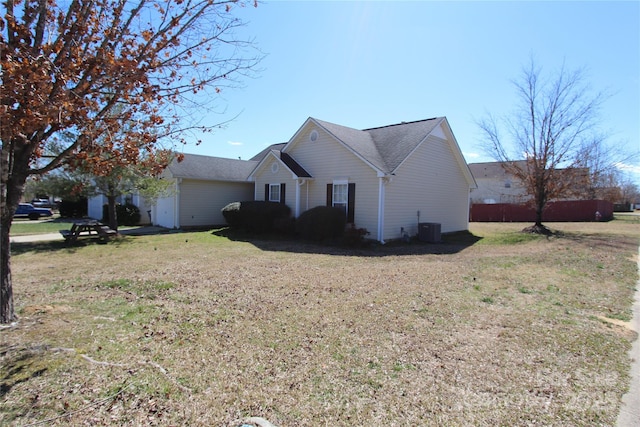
90 66
554 127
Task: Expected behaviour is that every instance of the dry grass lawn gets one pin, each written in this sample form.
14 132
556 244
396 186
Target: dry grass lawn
493 328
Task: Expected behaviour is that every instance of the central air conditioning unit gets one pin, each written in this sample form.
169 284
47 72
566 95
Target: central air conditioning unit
429 232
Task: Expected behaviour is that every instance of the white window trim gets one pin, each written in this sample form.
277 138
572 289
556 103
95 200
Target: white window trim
333 196
279 195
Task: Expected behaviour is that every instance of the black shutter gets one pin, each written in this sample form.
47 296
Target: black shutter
351 204
329 194
266 192
283 188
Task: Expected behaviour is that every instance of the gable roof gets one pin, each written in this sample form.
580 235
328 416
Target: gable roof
396 142
195 166
261 155
385 147
358 141
294 167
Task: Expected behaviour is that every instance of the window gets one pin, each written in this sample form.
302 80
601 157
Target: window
274 192
342 194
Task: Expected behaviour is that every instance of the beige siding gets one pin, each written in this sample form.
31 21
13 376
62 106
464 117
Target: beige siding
328 160
201 202
280 175
431 182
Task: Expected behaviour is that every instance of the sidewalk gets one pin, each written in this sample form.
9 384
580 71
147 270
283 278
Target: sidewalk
629 415
131 231
35 238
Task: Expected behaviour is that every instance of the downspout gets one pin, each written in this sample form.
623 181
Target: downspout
382 181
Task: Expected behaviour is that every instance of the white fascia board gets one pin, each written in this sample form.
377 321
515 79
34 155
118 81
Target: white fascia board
272 153
295 135
457 152
251 176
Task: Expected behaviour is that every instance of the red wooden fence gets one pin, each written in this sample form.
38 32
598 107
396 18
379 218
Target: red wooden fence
565 211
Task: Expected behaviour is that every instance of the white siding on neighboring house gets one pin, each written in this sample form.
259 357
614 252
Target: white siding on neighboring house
431 182
492 190
496 185
94 206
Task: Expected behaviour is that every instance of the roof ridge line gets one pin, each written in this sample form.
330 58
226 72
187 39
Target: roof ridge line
401 123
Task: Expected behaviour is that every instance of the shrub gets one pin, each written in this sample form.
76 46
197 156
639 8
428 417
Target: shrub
321 223
231 214
355 237
127 214
73 208
256 216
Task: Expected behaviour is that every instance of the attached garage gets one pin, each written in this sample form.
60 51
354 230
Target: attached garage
203 185
201 202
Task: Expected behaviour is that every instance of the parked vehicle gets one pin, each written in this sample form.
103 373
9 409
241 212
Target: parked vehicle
27 210
42 203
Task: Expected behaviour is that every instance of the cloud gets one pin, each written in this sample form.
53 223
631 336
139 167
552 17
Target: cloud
235 143
635 169
472 155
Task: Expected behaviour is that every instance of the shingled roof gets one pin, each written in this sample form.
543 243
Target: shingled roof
195 166
384 147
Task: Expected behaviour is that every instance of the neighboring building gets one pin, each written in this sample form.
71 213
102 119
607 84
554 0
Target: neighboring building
388 179
95 206
502 197
496 185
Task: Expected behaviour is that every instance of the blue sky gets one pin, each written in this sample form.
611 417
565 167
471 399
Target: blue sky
366 64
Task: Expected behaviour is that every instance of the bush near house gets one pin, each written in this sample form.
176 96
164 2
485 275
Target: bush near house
321 223
127 214
256 216
73 208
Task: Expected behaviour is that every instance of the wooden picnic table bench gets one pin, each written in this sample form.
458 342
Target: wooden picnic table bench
88 229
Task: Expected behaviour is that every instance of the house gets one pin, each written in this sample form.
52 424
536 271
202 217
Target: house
501 196
95 206
201 187
496 185
387 179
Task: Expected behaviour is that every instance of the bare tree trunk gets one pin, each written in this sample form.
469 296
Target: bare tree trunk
14 164
539 210
112 212
7 313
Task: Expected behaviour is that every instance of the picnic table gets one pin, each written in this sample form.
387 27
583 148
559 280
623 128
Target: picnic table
88 228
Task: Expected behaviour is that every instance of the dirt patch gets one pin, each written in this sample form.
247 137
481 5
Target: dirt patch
627 325
36 309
